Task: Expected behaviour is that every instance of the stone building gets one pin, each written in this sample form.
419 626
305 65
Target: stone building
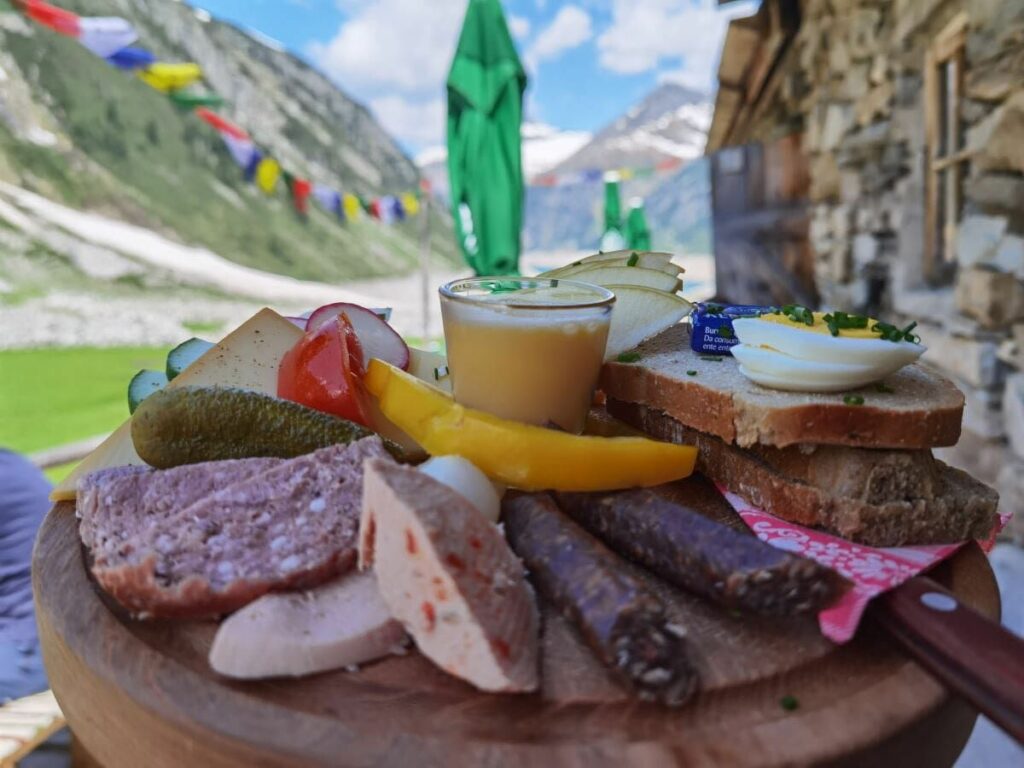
906 193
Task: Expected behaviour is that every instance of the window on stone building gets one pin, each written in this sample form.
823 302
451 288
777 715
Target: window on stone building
946 155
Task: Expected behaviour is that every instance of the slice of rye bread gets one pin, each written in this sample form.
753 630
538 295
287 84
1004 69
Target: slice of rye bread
291 526
880 498
922 410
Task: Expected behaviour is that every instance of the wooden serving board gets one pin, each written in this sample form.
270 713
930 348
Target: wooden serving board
141 693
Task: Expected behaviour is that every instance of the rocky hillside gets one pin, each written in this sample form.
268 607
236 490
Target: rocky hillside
669 123
80 132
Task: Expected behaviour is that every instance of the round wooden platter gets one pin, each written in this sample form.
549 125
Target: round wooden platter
141 693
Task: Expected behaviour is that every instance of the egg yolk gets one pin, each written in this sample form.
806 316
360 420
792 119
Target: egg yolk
821 327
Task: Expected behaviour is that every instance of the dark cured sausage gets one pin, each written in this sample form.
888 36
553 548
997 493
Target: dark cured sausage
621 620
681 545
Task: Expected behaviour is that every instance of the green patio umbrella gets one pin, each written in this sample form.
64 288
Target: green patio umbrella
638 234
485 109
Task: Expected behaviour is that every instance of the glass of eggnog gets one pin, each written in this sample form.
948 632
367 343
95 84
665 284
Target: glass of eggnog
527 349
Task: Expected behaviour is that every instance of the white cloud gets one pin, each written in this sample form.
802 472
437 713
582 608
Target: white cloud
419 122
686 35
519 26
401 44
571 27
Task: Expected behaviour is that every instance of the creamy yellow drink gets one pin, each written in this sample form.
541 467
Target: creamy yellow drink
528 350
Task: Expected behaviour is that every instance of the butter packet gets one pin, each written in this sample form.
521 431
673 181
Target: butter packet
711 324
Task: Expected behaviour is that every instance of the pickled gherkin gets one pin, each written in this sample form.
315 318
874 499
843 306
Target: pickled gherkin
188 425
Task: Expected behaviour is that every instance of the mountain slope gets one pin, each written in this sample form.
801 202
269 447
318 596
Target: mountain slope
75 129
670 123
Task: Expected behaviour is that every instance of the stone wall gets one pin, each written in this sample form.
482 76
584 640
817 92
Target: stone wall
855 75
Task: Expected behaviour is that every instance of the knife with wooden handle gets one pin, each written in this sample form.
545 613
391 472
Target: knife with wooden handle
972 655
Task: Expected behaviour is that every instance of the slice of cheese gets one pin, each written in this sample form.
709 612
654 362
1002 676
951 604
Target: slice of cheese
247 358
423 364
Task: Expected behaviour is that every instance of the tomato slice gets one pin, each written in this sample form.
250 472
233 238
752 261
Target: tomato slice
324 370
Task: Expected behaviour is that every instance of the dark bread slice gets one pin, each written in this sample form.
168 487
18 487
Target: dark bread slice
923 410
887 498
292 525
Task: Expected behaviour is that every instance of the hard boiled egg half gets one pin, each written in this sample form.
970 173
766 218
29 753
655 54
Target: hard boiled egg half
780 352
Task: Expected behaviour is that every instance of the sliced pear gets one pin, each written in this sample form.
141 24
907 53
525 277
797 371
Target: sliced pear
639 314
625 253
601 274
643 259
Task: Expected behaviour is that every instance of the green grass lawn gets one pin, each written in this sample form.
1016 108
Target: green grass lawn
49 397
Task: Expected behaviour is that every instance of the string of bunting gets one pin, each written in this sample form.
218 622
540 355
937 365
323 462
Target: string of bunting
594 175
111 38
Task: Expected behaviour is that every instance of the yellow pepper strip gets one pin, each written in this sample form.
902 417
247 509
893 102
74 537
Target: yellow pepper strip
523 456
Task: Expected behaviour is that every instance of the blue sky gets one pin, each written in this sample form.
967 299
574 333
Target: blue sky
588 60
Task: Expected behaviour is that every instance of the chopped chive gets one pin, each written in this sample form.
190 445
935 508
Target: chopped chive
884 388
798 314
632 260
853 400
725 332
789 702
628 357
714 309
890 332
691 373
575 263
711 358
440 372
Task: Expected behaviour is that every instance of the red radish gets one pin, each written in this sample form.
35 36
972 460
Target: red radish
299 321
377 337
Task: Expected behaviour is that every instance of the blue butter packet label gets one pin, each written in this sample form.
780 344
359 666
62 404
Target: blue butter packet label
712 332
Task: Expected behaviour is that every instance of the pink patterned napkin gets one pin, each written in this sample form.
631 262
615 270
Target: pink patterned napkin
872 570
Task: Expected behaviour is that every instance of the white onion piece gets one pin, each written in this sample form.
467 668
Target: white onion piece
463 477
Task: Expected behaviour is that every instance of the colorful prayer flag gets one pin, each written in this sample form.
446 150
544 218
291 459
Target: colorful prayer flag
396 208
170 77
373 208
131 58
57 19
329 199
411 203
106 35
243 151
220 123
268 171
351 205
254 163
193 99
389 209
300 189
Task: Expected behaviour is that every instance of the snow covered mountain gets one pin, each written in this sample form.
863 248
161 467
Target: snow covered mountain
544 147
671 122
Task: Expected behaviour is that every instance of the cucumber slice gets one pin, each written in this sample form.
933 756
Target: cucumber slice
183 355
142 385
